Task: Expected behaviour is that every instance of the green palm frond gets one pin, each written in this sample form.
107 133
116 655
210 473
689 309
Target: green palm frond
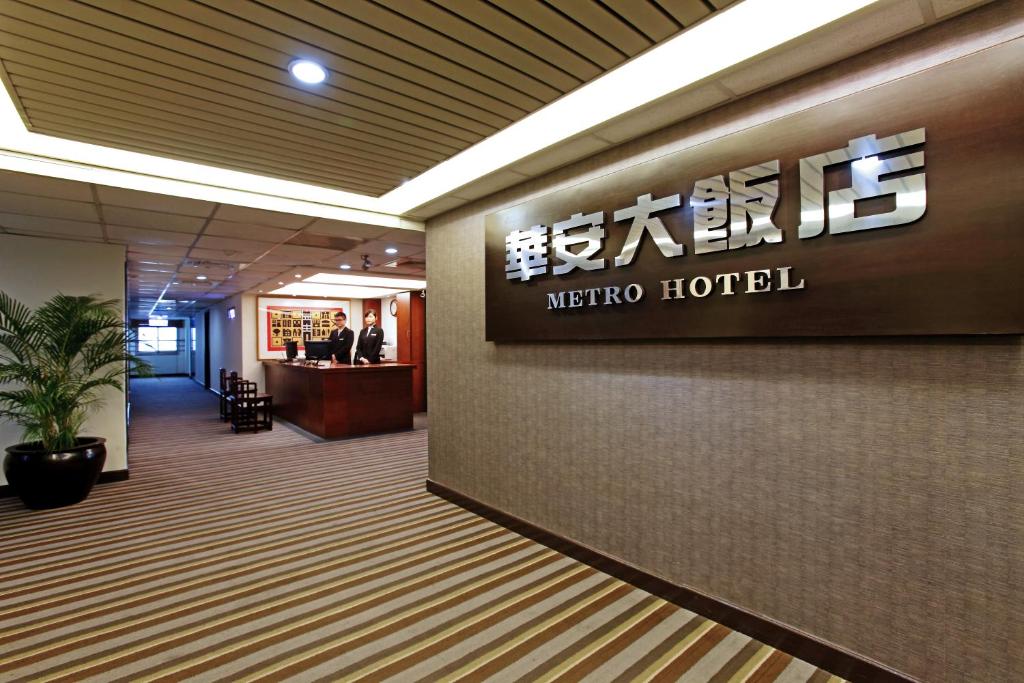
56 360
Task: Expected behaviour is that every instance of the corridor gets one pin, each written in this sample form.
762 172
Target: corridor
272 557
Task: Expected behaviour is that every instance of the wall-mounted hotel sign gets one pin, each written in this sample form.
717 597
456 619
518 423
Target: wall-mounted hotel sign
895 211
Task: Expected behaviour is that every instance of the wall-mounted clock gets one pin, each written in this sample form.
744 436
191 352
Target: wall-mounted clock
393 307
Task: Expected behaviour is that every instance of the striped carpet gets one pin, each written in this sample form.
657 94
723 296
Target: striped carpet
270 557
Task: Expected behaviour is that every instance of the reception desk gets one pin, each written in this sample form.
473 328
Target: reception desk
342 400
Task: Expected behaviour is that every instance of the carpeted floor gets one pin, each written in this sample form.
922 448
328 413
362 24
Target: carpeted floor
270 557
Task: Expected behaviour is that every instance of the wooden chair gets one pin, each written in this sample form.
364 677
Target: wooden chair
227 385
250 411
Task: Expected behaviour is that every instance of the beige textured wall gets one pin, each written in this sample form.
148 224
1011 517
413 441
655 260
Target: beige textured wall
866 491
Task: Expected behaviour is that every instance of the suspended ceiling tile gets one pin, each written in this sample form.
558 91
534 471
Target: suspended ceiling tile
232 256
147 249
46 206
151 201
121 233
136 218
248 231
51 226
376 249
332 228
44 186
228 244
400 237
266 268
274 219
295 255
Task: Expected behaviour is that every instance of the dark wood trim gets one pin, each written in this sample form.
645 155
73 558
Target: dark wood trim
820 653
112 476
105 478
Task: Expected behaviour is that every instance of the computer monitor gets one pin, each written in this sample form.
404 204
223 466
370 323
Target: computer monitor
291 349
318 350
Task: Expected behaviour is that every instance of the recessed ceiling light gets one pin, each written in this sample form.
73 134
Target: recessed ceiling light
390 250
280 283
307 71
345 266
298 276
200 277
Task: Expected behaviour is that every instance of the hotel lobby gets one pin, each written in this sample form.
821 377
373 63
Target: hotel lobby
511 340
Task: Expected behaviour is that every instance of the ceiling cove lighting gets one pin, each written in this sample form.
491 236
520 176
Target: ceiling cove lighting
308 72
747 28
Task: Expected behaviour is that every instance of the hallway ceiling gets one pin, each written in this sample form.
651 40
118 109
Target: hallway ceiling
172 241
410 84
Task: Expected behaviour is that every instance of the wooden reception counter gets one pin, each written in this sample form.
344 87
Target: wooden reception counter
342 400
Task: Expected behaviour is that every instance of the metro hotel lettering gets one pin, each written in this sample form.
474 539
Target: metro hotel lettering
730 213
726 284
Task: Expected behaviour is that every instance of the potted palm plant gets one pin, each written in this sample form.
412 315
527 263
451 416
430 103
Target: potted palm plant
54 362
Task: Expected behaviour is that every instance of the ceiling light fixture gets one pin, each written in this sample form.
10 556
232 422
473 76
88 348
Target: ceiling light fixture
307 71
390 250
200 277
345 266
298 276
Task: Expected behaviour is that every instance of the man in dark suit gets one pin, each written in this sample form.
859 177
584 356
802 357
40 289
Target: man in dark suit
371 338
341 339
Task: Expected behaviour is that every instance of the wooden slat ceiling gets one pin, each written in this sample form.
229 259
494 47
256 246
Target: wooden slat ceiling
412 82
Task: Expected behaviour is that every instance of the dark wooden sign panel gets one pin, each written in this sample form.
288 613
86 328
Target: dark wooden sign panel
955 270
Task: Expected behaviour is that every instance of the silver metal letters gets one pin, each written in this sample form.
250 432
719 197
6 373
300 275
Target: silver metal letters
525 253
738 213
754 198
642 221
592 239
866 170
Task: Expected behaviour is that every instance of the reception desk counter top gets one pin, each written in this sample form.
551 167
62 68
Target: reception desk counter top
335 400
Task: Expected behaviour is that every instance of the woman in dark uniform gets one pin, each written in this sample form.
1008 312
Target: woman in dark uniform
371 338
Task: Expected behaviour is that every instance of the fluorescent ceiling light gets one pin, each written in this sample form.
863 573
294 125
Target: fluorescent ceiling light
403 284
307 71
744 30
313 289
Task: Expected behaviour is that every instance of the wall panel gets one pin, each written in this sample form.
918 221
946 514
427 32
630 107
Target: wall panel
866 491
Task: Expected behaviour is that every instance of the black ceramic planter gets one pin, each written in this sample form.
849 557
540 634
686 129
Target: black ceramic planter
43 479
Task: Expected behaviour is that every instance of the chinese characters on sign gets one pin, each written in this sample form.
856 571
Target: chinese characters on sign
894 210
736 211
